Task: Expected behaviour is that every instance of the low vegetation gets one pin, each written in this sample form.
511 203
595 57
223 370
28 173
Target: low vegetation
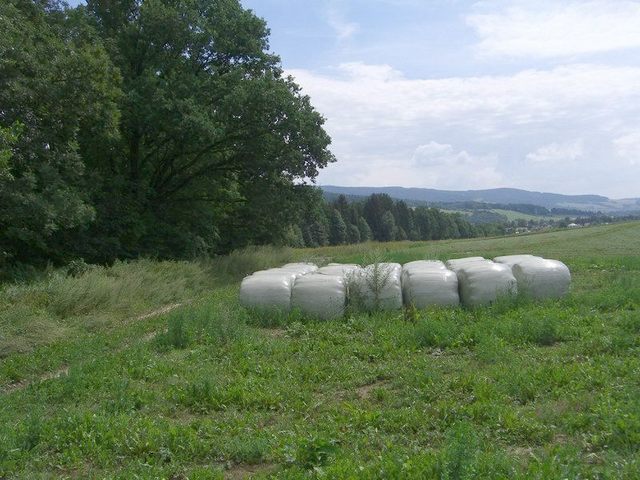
152 370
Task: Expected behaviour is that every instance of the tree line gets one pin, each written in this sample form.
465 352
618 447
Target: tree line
162 128
166 129
378 217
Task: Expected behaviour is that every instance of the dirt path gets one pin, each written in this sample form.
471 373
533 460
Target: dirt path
64 370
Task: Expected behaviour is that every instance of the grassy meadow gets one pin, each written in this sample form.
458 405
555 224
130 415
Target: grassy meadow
152 370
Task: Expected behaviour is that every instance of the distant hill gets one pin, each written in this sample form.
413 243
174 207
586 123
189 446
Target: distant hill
496 195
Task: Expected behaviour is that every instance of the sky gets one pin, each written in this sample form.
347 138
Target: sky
533 94
536 94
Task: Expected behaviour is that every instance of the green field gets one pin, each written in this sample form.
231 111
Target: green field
152 370
512 214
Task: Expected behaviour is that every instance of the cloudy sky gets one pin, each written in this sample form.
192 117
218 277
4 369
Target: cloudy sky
535 94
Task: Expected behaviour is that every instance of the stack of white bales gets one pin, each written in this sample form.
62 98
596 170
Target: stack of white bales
270 290
429 282
378 286
482 281
538 278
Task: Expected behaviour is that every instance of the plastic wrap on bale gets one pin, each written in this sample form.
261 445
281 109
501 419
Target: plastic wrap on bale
512 260
301 267
482 283
420 265
320 296
267 291
540 278
378 287
458 263
424 264
430 286
339 269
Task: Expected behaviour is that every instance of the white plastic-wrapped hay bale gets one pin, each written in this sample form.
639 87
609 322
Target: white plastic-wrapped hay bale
482 283
301 267
541 278
511 260
458 263
320 296
291 274
267 291
378 287
339 269
423 287
424 264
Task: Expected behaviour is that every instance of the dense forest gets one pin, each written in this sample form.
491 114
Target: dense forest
379 217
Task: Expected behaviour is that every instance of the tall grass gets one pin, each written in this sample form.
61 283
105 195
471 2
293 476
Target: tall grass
212 321
60 306
248 260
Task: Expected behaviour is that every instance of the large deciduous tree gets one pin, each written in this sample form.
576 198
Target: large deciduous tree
213 136
156 127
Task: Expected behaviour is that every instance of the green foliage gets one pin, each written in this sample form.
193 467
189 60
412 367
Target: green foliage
157 128
337 229
314 452
8 138
57 306
387 227
365 230
245 261
78 267
212 141
353 234
206 322
379 217
57 80
460 453
176 335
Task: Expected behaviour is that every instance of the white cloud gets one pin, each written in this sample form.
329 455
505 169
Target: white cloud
627 147
343 28
358 95
382 124
557 152
444 166
554 29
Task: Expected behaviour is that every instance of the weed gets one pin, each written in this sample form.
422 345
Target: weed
32 433
176 335
460 454
315 452
249 450
540 330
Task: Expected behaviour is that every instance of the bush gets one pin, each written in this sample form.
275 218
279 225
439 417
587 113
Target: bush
240 263
78 267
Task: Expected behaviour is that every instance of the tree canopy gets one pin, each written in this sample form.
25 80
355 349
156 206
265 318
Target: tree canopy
163 127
